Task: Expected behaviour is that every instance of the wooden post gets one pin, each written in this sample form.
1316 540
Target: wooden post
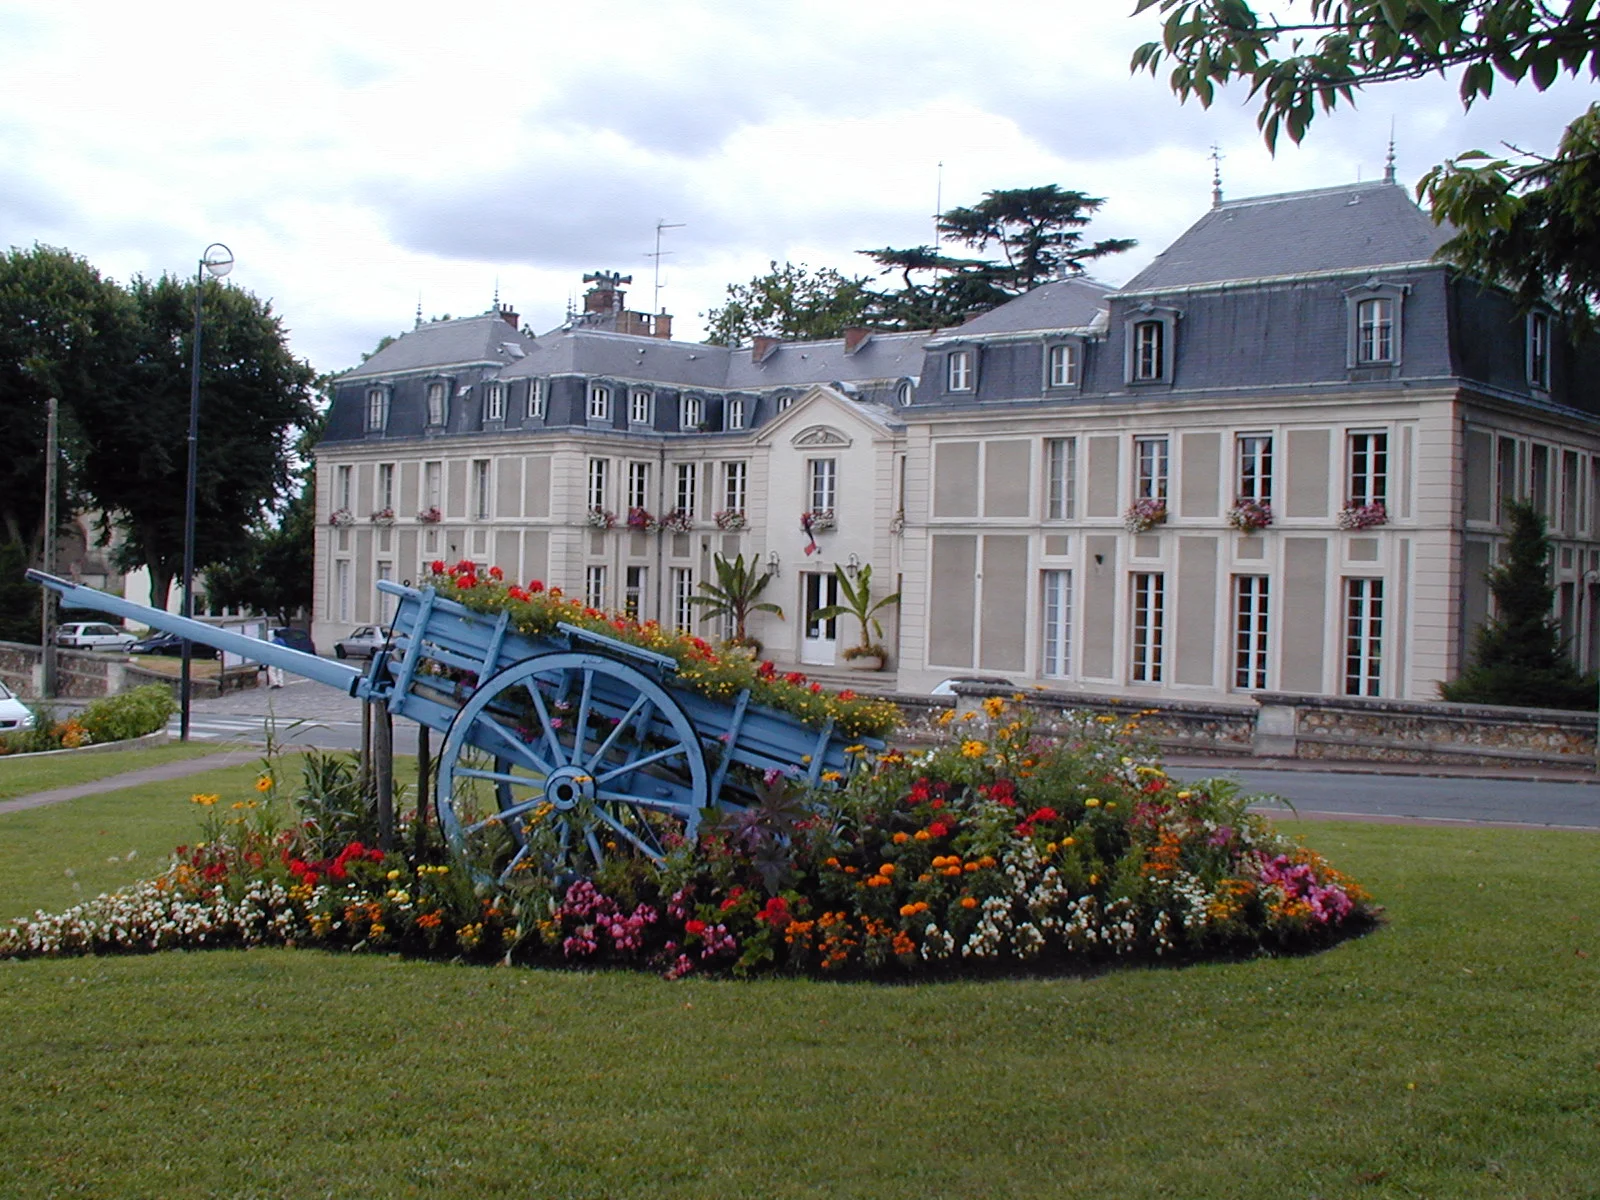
424 777
383 773
364 768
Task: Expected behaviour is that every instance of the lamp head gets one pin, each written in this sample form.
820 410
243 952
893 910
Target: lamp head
217 259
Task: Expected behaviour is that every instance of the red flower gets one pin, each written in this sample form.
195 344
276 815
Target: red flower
733 897
847 694
938 830
1044 814
694 928
437 566
795 678
466 583
535 586
465 567
816 689
496 573
766 670
776 913
516 593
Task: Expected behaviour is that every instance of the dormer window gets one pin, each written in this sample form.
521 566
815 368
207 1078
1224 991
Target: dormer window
1149 350
1375 330
535 399
904 391
959 371
599 402
1149 345
641 406
377 408
1539 350
436 401
1064 365
735 413
689 413
494 402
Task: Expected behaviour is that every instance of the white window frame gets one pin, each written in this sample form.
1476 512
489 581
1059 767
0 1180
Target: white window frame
822 483
433 485
686 487
1147 629
641 406
1149 351
689 413
535 399
594 585
683 613
1376 323
599 482
1367 467
494 402
634 590
734 413
1252 470
639 485
958 371
1152 461
377 408
481 491
1538 327
1064 365
1060 479
599 402
1363 636
735 485
383 497
1252 606
343 487
1055 615
438 398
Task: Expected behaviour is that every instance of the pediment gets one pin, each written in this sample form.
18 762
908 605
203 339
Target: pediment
819 435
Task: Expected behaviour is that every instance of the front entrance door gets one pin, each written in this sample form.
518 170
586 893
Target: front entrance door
817 639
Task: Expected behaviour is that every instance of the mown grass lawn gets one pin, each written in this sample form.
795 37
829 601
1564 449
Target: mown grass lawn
34 773
1454 1053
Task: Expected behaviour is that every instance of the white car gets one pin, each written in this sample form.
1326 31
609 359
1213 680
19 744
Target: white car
14 714
93 635
948 687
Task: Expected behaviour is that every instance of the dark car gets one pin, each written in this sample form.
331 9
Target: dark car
169 643
295 639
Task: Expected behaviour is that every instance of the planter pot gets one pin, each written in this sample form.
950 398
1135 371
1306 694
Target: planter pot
864 662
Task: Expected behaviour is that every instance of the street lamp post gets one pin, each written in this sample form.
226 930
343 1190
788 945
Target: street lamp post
217 261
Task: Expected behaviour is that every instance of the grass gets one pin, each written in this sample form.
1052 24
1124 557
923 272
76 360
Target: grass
22 776
1454 1053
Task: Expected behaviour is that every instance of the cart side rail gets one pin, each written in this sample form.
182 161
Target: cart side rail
76 595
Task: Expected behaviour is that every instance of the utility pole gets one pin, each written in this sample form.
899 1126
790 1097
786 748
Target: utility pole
47 608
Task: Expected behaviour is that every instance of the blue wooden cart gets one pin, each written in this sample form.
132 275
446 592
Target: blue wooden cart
571 745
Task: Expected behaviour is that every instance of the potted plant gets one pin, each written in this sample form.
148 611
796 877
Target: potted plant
816 520
384 516
1144 515
1363 516
677 521
1247 516
730 518
735 595
430 516
600 518
641 519
340 517
858 603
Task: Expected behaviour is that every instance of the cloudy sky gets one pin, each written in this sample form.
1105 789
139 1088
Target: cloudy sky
359 156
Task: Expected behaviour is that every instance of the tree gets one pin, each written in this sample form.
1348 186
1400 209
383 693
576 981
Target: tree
1522 223
254 395
735 595
1519 657
858 603
789 302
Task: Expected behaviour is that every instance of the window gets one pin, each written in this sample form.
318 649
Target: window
432 485
599 478
377 407
688 476
633 591
959 368
1056 613
1539 350
1375 330
1363 637
905 391
1255 467
734 486
594 586
1064 365
599 402
1539 479
1567 514
535 399
1250 632
436 395
341 590
784 402
386 601
342 487
821 483
1149 623
385 497
494 402
1506 489
1149 350
1060 478
682 590
641 407
480 488
1369 469
1150 468
735 413
638 485
689 413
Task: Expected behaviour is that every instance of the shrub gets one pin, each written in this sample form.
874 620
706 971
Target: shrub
133 714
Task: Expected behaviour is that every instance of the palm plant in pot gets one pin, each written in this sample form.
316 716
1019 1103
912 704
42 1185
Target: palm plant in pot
869 655
735 595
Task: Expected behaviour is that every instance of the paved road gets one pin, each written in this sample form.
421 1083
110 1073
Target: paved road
300 712
1574 805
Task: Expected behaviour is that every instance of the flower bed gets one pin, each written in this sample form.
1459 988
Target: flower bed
1002 851
536 610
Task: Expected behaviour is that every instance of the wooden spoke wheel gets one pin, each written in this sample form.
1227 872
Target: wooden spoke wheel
562 760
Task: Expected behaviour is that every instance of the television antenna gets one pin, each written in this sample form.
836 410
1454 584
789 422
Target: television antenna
661 224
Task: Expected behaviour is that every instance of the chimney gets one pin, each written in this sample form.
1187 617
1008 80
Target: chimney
509 316
762 348
855 338
663 324
604 296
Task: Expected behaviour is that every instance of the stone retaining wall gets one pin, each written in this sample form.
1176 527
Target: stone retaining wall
85 675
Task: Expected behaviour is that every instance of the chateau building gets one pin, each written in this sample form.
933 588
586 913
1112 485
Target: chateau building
1274 460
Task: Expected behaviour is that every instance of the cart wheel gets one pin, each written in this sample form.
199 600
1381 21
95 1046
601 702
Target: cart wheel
590 757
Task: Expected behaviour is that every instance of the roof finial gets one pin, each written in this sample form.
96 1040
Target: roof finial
1216 176
497 293
1388 168
419 310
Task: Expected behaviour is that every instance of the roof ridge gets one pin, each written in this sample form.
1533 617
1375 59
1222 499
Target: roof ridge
1274 197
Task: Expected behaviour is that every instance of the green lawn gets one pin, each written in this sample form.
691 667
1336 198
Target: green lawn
1454 1053
20 776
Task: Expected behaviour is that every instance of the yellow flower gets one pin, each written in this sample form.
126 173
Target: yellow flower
856 749
264 783
204 798
947 716
994 706
972 749
1071 841
831 777
392 875
1091 802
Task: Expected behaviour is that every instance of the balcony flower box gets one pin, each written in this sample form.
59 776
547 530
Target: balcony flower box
339 518
677 521
817 520
640 519
600 518
1247 516
383 516
730 519
1363 516
430 516
1144 515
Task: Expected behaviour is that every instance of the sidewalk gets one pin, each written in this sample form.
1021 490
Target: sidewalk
1220 764
115 783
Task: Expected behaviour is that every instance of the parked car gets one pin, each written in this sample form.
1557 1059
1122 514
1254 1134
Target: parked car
93 635
14 714
948 686
295 639
363 642
169 643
